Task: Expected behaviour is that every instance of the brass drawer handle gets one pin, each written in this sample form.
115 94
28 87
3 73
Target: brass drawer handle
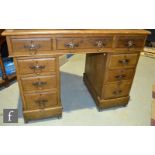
71 45
124 61
100 44
117 92
37 67
39 84
32 47
130 44
120 77
41 102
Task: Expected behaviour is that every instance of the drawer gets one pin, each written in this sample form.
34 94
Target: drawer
84 43
42 113
130 42
123 60
116 90
119 74
32 46
39 83
40 100
36 66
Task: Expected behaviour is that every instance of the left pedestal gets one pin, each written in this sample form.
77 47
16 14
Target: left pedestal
38 79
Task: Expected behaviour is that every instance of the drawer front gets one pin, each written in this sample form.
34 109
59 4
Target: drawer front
84 43
40 100
32 46
36 66
118 75
43 113
123 60
130 42
116 90
39 83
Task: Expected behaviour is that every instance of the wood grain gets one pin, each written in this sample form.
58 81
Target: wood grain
111 60
73 31
39 83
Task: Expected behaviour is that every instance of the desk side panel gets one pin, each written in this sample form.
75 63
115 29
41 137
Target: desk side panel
95 70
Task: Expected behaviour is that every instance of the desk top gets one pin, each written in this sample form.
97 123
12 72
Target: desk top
73 31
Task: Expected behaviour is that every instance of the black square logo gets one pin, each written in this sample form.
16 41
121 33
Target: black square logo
10 115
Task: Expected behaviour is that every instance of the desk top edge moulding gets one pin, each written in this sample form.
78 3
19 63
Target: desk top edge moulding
111 60
74 31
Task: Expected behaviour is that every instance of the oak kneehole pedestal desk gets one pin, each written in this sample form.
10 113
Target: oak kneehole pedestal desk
111 59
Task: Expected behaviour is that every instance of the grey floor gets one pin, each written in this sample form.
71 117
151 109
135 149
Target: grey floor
79 107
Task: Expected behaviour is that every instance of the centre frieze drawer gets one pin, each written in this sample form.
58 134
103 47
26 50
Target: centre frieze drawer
84 43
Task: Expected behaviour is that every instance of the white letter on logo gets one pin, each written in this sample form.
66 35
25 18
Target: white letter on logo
9 115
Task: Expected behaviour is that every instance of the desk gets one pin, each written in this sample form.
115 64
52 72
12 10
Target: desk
111 60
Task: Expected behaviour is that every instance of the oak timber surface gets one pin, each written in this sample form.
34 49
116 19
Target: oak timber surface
73 31
111 50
